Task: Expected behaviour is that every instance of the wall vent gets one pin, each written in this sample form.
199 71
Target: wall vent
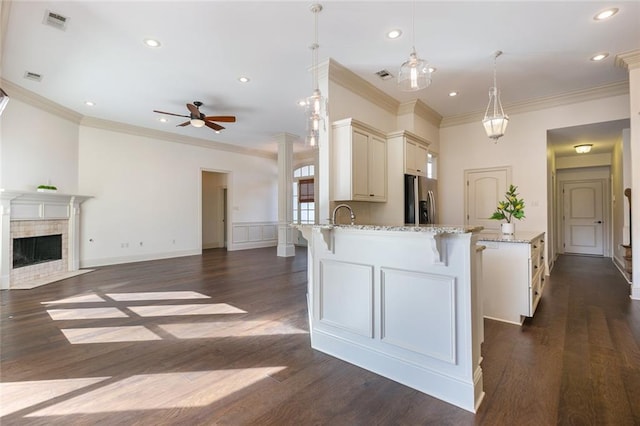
32 76
384 74
55 20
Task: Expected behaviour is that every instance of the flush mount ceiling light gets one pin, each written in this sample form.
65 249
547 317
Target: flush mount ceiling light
316 104
495 120
149 42
583 148
414 73
599 57
244 79
606 14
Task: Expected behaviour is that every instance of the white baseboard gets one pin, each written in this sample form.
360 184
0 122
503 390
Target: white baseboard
92 263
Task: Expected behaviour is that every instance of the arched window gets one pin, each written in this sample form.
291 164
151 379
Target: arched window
303 195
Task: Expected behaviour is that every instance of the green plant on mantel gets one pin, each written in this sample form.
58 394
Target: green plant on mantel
512 208
51 187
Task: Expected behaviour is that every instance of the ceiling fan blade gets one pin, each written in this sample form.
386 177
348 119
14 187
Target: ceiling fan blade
223 118
186 123
170 113
194 110
213 126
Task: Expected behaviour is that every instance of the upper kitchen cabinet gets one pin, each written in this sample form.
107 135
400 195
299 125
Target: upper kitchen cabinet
415 151
359 162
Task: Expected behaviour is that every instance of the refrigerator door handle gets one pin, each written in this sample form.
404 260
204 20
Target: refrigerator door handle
432 208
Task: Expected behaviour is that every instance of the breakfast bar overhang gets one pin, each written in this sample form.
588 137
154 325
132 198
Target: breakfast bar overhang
401 301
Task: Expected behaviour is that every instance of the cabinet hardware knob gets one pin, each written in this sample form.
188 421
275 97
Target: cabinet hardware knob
371 195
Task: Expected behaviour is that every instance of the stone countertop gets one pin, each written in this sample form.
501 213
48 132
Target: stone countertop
433 229
525 237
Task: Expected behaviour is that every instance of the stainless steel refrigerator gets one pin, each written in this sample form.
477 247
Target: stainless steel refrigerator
420 200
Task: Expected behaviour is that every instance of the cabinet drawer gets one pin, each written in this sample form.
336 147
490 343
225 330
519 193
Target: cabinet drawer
535 291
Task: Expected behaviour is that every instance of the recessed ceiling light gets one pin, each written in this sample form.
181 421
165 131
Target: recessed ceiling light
162 120
243 79
432 69
302 103
606 14
452 94
90 103
394 34
217 131
599 56
151 42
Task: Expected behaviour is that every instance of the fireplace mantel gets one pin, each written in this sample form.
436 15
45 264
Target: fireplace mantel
18 205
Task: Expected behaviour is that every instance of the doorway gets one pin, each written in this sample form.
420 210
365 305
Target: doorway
214 209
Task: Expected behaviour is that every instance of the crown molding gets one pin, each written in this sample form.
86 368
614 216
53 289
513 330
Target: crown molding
577 96
421 110
33 99
99 123
351 81
628 60
45 104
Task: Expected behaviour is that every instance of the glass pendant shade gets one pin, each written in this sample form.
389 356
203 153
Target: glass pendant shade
495 120
414 74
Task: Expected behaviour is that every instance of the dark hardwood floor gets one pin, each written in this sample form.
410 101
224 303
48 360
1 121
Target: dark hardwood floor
222 339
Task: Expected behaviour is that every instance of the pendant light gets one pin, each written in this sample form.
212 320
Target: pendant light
495 120
316 104
414 73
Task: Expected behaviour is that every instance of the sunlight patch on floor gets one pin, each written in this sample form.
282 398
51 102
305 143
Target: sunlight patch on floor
83 298
134 333
173 310
157 295
205 330
85 313
160 391
16 396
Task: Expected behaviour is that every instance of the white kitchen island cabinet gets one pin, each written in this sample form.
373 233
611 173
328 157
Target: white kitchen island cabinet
513 275
402 302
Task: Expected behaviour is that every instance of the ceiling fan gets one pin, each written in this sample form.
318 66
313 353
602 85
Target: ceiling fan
198 119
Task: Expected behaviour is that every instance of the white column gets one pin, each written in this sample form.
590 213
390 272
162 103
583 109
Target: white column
631 61
285 195
5 241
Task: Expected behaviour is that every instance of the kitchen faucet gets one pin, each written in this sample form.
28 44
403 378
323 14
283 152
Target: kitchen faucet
333 216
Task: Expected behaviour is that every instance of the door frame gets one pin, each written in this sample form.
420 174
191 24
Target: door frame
593 174
227 202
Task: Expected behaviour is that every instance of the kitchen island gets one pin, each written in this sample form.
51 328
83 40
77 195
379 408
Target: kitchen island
403 302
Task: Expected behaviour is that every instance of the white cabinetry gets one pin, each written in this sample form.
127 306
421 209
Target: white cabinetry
359 162
415 150
513 275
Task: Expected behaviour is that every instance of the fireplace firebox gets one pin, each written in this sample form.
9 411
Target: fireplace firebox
32 250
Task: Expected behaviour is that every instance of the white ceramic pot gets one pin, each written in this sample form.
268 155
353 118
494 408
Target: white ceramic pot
508 228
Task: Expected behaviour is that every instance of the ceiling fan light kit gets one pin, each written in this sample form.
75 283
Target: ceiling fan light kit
495 120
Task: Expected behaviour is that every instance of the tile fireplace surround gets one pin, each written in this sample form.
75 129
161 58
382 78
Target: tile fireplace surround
29 214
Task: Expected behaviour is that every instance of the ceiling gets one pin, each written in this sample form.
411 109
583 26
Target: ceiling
207 45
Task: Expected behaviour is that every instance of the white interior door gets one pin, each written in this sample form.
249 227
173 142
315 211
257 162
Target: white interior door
485 187
583 217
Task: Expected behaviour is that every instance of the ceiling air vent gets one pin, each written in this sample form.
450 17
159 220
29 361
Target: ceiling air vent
384 74
32 76
55 20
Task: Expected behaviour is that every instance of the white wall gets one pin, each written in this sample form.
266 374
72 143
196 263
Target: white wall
149 191
37 148
524 148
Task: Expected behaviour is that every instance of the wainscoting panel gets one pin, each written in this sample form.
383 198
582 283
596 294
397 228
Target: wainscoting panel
405 321
346 306
248 235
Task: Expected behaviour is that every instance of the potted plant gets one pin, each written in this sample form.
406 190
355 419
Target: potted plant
509 209
46 188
